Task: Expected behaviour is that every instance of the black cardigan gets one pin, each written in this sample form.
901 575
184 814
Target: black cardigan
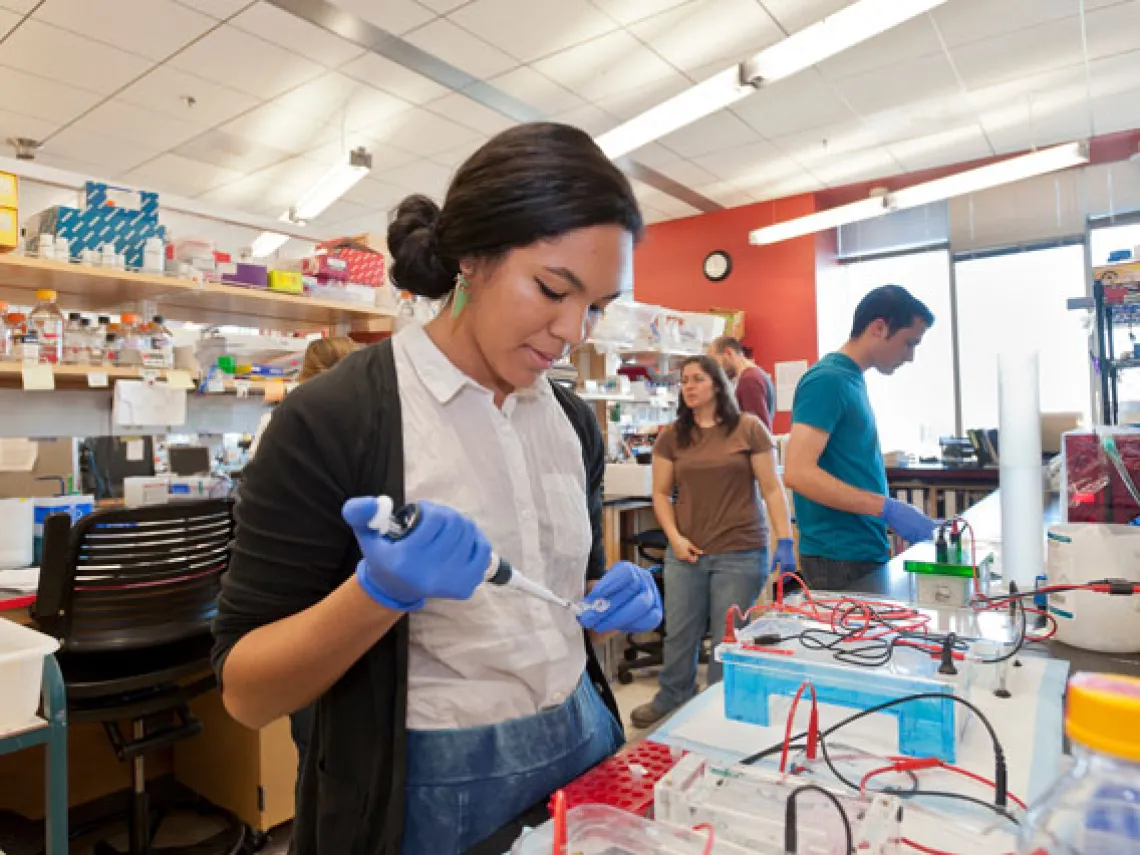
335 437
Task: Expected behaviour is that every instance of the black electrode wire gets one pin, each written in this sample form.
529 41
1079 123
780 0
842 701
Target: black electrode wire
1001 777
1018 645
790 834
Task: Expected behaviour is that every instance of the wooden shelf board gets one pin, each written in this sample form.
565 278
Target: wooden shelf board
95 289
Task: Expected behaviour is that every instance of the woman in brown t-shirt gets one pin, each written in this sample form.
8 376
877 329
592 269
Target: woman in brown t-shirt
713 456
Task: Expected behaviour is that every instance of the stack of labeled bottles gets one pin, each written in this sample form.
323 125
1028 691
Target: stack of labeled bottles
44 335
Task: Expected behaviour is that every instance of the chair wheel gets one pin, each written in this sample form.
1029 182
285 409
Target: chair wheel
629 654
625 677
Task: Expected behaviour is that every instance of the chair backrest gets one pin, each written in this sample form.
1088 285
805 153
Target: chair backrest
133 577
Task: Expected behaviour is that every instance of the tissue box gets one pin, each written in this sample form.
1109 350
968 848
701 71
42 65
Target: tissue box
286 282
93 227
97 195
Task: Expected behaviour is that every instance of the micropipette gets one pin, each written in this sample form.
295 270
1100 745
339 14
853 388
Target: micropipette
399 523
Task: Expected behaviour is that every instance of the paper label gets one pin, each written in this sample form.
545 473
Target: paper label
135 449
179 379
97 379
38 377
241 387
274 390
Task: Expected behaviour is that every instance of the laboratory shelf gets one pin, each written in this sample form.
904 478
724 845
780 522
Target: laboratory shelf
73 377
95 289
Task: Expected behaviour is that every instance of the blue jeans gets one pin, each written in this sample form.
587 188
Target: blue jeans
464 784
697 597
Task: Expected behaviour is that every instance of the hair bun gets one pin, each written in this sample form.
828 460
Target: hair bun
417 265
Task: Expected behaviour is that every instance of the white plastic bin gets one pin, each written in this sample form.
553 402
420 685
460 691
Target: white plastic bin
22 653
17 519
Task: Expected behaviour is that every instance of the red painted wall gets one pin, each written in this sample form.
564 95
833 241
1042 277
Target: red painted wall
774 285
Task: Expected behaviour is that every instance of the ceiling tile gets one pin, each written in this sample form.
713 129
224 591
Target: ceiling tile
629 11
798 103
471 114
536 90
1115 74
295 34
1059 127
652 215
705 31
844 137
152 28
337 149
927 79
251 64
375 194
957 145
909 41
43 99
115 118
381 72
341 102
82 167
165 89
850 168
792 184
392 16
755 158
513 26
15 125
8 21
455 46
181 176
593 120
276 126
1113 30
342 210
633 102
1054 44
56 54
965 21
454 158
442 7
656 156
219 9
1120 112
271 190
421 131
21 7
686 172
727 193
113 155
794 15
606 66
423 176
231 151
720 131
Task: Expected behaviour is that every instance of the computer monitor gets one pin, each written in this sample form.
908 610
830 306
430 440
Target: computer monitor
189 459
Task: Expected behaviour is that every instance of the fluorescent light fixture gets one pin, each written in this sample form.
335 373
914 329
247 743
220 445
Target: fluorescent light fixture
267 243
332 185
1009 171
696 102
834 34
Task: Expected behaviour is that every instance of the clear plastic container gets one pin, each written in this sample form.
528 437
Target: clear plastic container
27 348
74 341
1094 809
160 353
603 830
97 349
46 321
130 344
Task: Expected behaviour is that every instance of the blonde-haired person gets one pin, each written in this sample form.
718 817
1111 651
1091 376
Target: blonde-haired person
321 355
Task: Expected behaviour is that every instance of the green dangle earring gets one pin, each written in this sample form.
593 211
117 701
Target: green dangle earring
461 295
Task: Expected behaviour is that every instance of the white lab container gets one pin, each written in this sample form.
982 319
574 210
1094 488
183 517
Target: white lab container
17 535
22 653
628 479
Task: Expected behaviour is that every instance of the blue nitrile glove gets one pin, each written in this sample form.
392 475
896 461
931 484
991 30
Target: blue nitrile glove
784 558
445 556
908 522
635 602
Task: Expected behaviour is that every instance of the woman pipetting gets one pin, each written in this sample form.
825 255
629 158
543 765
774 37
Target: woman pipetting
445 708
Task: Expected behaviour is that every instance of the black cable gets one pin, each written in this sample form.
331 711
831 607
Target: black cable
1001 776
790 818
1021 638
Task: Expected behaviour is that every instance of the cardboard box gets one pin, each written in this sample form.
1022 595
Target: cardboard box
9 190
93 227
9 229
365 264
97 195
286 282
733 321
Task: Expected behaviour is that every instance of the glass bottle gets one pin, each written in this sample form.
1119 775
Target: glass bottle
130 343
97 351
162 342
74 341
1094 809
46 321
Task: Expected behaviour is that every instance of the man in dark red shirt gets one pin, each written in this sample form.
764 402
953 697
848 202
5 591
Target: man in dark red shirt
755 392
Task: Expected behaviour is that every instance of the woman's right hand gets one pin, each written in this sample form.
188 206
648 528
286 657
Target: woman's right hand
684 550
445 556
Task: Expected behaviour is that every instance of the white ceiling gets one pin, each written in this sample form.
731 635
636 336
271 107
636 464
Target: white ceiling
277 100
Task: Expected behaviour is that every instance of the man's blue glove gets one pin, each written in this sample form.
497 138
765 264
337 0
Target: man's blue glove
908 522
635 602
445 556
784 558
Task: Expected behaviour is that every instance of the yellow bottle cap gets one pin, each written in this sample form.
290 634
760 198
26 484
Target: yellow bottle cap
1104 714
45 295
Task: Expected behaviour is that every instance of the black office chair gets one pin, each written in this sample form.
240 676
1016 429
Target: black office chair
130 594
651 545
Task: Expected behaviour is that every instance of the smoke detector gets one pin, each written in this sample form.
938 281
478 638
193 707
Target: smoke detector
25 147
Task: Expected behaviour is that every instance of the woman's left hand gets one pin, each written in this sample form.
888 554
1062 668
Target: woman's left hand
633 597
784 557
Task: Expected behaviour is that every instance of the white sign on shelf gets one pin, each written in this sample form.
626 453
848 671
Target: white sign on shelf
97 379
788 376
140 404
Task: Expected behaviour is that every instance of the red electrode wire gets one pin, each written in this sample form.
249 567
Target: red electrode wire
813 725
918 764
561 841
710 835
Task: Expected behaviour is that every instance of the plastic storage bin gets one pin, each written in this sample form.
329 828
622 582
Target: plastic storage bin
600 830
77 506
22 653
17 519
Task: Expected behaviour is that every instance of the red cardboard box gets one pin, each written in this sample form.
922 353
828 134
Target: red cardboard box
365 265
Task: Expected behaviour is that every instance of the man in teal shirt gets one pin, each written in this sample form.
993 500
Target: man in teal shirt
833 462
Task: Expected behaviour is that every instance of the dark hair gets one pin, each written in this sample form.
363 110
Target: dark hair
727 412
727 342
531 182
893 304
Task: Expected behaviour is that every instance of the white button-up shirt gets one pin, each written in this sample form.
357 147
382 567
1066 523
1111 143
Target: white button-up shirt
518 473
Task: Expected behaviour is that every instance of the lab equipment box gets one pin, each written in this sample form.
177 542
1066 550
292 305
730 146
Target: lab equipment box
93 227
1100 474
601 830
